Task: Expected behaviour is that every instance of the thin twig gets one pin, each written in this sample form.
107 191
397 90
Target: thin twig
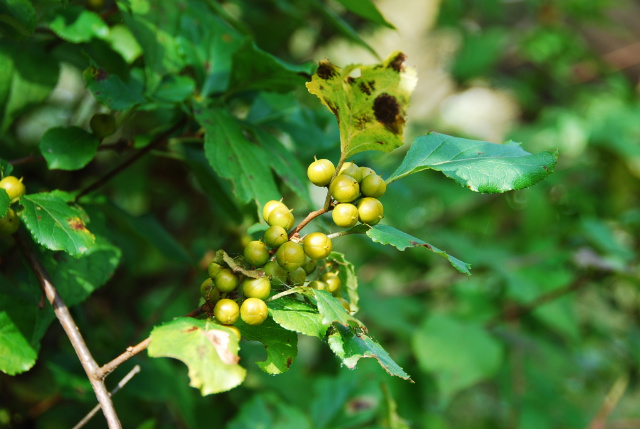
130 352
71 329
308 219
610 402
120 385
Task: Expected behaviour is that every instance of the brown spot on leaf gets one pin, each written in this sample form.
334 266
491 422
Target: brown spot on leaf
387 111
367 87
76 224
191 329
289 361
326 70
350 80
101 75
398 62
220 342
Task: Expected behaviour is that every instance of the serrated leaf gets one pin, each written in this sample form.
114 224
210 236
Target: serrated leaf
255 69
371 107
367 10
331 309
476 165
458 353
298 316
234 157
281 344
5 202
353 344
385 234
76 24
69 148
348 278
111 90
55 224
209 350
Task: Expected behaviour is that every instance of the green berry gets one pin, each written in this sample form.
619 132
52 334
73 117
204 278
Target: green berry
209 291
103 125
282 217
275 273
290 256
320 172
333 282
373 186
213 269
370 211
310 265
268 208
226 311
317 284
14 187
344 189
351 169
297 277
253 311
256 288
9 223
235 331
364 172
226 281
345 215
275 236
256 253
345 304
317 245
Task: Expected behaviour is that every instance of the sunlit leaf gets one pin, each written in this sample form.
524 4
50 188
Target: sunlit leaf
281 344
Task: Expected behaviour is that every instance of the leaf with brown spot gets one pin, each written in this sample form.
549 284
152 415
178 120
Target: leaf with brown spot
370 108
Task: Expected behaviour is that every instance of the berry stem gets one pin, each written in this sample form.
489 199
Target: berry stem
308 219
327 202
355 230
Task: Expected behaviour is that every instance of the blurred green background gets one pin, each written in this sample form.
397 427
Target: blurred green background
546 331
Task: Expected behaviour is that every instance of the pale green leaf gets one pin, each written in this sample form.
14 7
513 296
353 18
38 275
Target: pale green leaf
477 165
370 105
281 344
76 24
209 350
331 309
68 148
385 234
298 316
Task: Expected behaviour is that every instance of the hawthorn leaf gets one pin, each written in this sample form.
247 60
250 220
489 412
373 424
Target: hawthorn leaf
112 90
76 24
298 316
281 344
331 309
351 344
55 224
17 18
16 353
367 10
370 106
385 234
209 350
68 148
5 202
348 278
5 166
477 165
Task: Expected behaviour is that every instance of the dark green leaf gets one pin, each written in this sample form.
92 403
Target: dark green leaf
17 17
371 107
353 344
208 349
76 24
255 69
458 353
68 148
331 309
55 224
298 316
385 234
111 90
175 89
367 10
5 167
265 411
477 165
281 344
16 354
5 202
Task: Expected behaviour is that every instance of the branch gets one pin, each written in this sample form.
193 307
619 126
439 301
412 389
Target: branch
308 219
120 385
71 329
609 404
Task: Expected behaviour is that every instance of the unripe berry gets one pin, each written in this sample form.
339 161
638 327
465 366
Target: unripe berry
256 253
373 186
226 281
213 269
281 216
268 208
317 245
256 288
345 304
226 311
14 187
290 256
310 265
297 277
9 223
253 311
320 172
344 189
370 211
317 284
275 273
351 169
275 236
209 291
364 172
345 215
235 331
333 282
103 125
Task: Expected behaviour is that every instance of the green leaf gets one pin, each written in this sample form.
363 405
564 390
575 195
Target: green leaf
477 165
76 24
268 411
235 158
5 166
348 278
371 107
457 353
209 350
55 224
27 77
5 202
367 10
16 354
353 344
331 309
68 148
298 316
17 17
175 89
281 344
111 90
255 69
385 234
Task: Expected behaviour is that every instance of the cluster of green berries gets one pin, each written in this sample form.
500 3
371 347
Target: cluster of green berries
354 191
10 222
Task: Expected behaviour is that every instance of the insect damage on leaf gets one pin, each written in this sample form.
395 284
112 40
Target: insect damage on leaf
220 341
77 224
